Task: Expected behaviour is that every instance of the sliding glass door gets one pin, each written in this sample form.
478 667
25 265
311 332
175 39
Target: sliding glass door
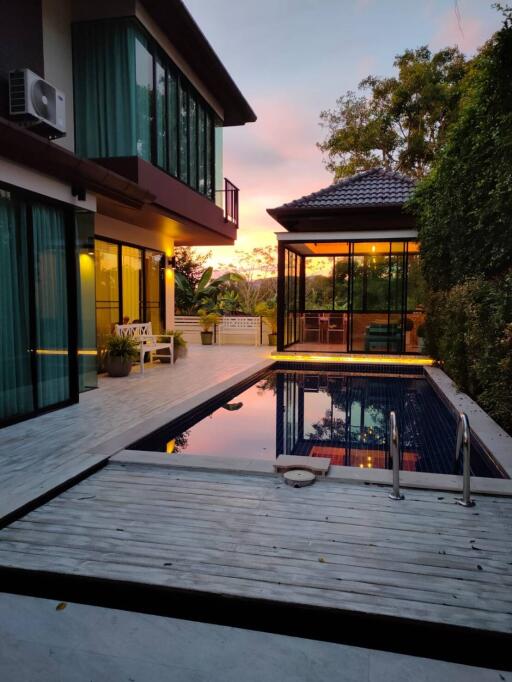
16 390
51 305
129 287
38 351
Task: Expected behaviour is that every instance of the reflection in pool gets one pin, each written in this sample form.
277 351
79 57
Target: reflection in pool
324 414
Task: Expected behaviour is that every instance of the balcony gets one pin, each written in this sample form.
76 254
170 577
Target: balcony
227 199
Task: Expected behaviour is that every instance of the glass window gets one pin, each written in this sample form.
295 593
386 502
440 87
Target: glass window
161 117
153 272
209 158
131 260
218 180
107 289
16 395
86 296
51 302
129 103
201 148
192 139
172 114
341 277
319 285
183 132
144 96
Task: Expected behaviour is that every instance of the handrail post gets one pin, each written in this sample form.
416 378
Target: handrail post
394 450
464 440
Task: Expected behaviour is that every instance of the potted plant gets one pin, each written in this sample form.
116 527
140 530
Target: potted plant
180 345
409 326
268 311
207 320
420 333
120 353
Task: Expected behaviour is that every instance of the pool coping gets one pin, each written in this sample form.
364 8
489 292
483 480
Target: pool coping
490 436
265 467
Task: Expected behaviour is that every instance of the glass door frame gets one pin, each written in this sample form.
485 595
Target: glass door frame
23 196
285 247
143 249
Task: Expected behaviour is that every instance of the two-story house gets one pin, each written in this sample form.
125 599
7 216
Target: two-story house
89 219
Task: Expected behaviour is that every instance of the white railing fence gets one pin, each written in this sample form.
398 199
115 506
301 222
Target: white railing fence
236 330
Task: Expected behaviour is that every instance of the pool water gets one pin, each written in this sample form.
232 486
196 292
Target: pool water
324 413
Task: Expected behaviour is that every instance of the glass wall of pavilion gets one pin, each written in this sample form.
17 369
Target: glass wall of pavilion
350 296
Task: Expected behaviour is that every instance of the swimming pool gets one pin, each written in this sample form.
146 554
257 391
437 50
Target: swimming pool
324 412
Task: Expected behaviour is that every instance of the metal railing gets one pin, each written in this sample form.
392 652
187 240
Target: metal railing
230 202
464 442
394 452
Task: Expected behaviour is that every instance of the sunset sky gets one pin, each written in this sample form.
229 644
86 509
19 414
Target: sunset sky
293 58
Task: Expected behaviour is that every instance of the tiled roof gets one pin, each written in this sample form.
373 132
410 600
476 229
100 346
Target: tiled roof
372 188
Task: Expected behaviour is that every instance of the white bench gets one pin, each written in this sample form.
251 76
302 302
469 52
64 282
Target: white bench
142 333
233 326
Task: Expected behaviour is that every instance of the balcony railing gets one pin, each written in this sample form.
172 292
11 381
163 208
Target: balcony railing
229 201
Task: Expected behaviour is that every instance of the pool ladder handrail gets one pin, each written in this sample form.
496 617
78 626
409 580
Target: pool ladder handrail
464 441
394 452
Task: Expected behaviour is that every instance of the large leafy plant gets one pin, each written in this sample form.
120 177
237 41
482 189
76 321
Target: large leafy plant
122 347
190 297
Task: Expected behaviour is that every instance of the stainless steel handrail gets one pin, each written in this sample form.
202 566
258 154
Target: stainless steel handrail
464 441
394 451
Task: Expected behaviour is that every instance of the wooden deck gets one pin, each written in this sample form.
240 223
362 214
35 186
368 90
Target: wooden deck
41 454
335 546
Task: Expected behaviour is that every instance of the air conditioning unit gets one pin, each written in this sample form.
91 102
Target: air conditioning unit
37 104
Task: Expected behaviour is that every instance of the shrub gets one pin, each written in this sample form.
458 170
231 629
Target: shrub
469 329
122 347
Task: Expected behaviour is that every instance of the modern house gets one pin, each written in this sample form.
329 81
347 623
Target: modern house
349 279
111 120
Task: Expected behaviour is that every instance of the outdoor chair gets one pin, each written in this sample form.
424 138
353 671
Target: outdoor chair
312 327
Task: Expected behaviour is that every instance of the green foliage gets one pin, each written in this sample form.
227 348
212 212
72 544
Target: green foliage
208 319
464 210
204 293
190 263
469 328
257 277
268 311
399 122
179 341
464 206
122 347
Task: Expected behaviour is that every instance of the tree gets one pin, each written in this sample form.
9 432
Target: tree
398 122
203 295
190 263
464 209
257 277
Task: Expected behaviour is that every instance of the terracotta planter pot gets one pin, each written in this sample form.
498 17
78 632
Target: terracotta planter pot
117 367
207 338
272 339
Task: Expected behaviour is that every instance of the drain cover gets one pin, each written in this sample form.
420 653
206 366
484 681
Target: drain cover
298 478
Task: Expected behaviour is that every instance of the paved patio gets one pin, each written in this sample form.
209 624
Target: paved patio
82 643
40 454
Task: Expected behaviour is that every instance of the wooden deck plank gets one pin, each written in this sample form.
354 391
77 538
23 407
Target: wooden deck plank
339 546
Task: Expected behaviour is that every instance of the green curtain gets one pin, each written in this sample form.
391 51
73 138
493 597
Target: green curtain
51 301
104 68
16 396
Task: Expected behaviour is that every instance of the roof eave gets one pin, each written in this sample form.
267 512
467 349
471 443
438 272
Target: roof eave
180 27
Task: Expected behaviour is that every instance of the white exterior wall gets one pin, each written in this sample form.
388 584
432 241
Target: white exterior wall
58 62
34 181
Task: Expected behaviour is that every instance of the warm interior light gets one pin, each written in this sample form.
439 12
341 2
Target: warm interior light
348 359
373 248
